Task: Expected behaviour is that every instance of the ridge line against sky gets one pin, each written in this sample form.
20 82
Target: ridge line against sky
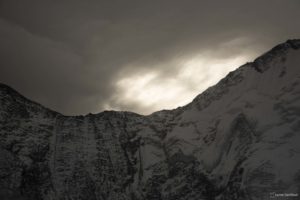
79 57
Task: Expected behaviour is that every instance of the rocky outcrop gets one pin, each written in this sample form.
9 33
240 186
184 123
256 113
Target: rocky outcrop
237 140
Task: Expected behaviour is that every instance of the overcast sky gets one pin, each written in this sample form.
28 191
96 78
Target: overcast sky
80 57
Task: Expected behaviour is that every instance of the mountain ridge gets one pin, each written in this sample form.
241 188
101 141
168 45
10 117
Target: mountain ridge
280 48
236 140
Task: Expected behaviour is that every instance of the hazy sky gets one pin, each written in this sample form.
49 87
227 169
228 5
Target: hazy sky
78 56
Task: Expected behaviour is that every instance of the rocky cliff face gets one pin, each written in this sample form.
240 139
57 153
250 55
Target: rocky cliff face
237 140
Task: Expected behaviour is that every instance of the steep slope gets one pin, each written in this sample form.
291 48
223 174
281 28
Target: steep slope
237 140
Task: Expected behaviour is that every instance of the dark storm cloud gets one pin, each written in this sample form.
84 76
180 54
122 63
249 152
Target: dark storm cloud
69 55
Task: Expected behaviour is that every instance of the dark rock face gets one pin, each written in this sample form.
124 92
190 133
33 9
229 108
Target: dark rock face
237 140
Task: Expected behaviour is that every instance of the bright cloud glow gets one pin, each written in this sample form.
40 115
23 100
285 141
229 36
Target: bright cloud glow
154 91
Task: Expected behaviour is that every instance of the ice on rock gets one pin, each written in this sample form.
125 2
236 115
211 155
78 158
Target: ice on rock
237 140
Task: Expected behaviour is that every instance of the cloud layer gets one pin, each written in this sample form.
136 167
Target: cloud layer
78 56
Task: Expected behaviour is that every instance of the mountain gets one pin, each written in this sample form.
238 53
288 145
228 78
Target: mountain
237 140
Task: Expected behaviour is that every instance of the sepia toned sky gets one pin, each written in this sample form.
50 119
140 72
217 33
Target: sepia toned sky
80 57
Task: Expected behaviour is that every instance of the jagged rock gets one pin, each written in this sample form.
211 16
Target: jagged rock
237 140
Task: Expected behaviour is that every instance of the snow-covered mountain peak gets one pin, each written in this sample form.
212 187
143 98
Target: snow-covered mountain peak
237 140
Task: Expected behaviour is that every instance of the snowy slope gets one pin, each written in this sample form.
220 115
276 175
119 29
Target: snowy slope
237 140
